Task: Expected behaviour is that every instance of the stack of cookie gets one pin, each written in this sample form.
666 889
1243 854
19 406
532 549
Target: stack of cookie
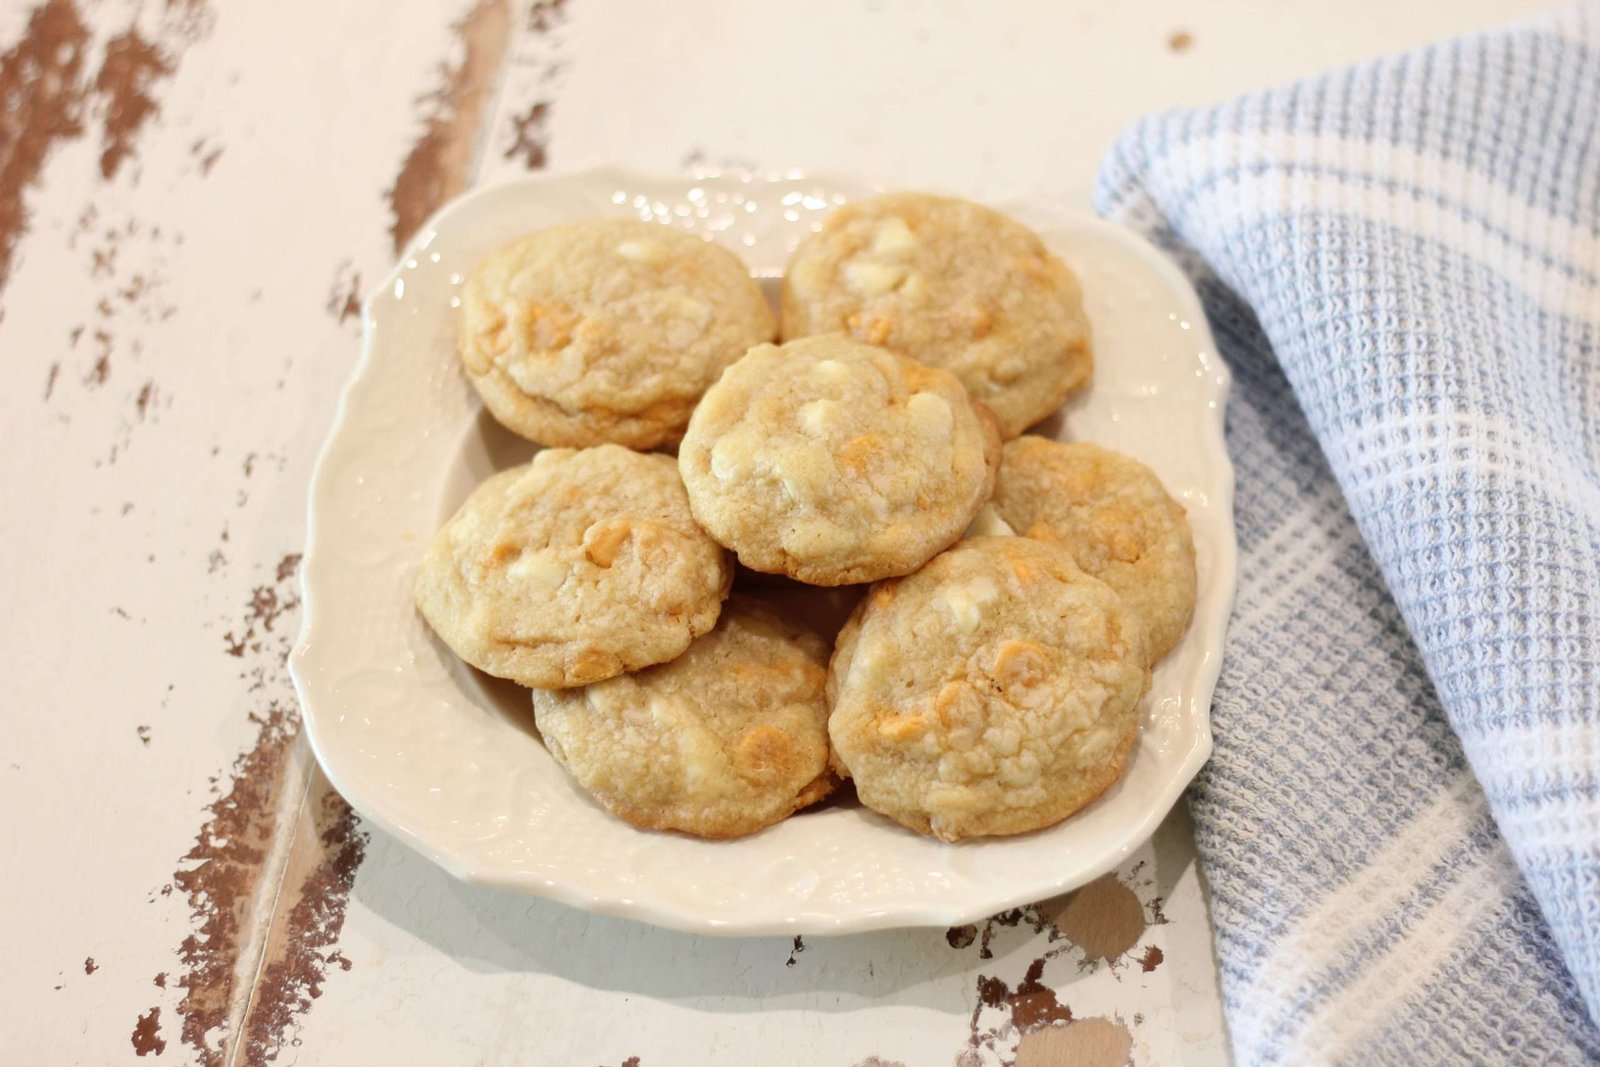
984 682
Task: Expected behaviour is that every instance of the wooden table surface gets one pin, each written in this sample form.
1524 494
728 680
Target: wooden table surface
193 198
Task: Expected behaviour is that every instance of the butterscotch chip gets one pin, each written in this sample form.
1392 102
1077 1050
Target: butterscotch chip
606 330
573 568
954 285
994 691
837 462
728 738
1112 513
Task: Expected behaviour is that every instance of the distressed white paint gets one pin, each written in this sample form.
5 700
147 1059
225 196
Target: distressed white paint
312 104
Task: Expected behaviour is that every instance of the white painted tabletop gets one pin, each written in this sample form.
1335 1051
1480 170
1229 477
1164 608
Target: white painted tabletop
193 197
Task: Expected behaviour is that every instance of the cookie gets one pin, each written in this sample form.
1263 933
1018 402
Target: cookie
836 462
607 330
1112 513
994 691
573 568
728 738
954 285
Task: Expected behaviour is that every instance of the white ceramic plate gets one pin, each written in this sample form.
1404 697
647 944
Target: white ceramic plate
447 759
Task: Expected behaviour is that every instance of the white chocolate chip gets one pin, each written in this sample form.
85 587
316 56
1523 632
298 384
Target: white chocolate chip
729 458
520 372
537 570
831 371
873 279
817 417
966 602
931 415
894 236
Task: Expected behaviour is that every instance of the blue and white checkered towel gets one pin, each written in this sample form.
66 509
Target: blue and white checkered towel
1401 824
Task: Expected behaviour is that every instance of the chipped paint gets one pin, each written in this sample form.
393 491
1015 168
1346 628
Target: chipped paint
1029 917
799 947
344 297
287 567
1151 959
146 1038
1095 1042
440 161
546 15
102 367
961 936
530 136
131 67
1034 1004
308 916
246 981
1104 918
42 100
205 155
89 966
219 876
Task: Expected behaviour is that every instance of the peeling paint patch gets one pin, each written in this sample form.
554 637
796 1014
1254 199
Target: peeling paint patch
219 876
1034 1004
147 1039
440 161
321 870
530 137
961 936
546 15
1094 1042
288 567
41 98
267 604
205 155
1152 958
1104 919
131 67
246 852
344 298
1029 916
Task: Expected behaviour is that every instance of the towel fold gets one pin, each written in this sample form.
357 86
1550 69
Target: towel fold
1401 823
